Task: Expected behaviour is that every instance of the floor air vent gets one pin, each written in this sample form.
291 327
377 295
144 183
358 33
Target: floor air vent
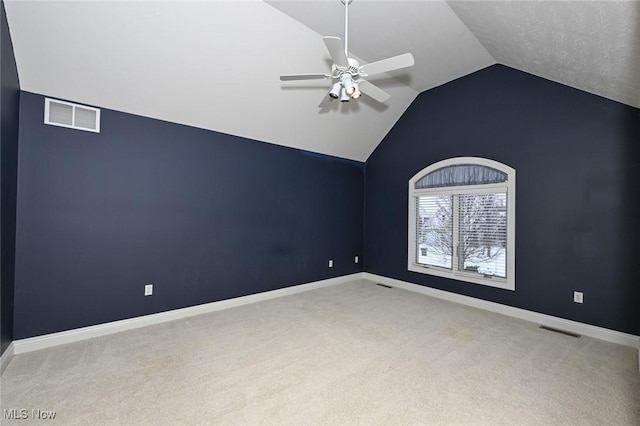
73 116
385 286
555 330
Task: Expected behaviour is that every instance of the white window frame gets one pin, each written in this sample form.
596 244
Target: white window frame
508 283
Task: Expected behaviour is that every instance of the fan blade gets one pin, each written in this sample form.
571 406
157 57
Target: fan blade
373 91
326 102
292 77
389 64
336 50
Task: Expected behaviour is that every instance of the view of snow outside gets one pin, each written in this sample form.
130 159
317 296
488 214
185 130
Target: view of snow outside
481 227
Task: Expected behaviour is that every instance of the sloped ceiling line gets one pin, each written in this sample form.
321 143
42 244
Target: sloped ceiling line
215 64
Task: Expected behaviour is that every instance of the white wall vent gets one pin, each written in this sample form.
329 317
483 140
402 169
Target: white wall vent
73 116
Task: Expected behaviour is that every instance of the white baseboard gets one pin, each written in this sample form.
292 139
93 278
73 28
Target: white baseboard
70 336
6 357
542 319
55 339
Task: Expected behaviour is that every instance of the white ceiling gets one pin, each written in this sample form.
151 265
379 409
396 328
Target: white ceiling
590 45
215 64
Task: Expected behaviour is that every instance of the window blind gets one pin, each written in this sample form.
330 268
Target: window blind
482 234
434 226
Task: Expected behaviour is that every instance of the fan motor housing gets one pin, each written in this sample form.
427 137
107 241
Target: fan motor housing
353 69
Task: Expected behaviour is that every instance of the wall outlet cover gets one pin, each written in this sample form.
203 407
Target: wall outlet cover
577 296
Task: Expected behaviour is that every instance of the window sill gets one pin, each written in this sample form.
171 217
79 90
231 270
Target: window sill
501 283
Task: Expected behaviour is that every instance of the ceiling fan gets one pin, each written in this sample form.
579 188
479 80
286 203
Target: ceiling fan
347 74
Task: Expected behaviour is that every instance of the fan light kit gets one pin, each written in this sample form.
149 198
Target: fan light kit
347 74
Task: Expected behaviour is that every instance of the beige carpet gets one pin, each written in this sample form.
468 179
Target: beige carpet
355 353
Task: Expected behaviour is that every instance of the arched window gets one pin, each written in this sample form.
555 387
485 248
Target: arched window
462 221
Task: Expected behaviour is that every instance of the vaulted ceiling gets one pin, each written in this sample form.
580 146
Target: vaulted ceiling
215 64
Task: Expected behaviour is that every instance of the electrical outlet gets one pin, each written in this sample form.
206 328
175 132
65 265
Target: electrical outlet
148 289
356 259
331 264
577 296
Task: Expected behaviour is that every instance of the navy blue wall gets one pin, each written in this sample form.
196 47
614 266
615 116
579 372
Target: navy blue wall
206 216
202 215
9 109
578 170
